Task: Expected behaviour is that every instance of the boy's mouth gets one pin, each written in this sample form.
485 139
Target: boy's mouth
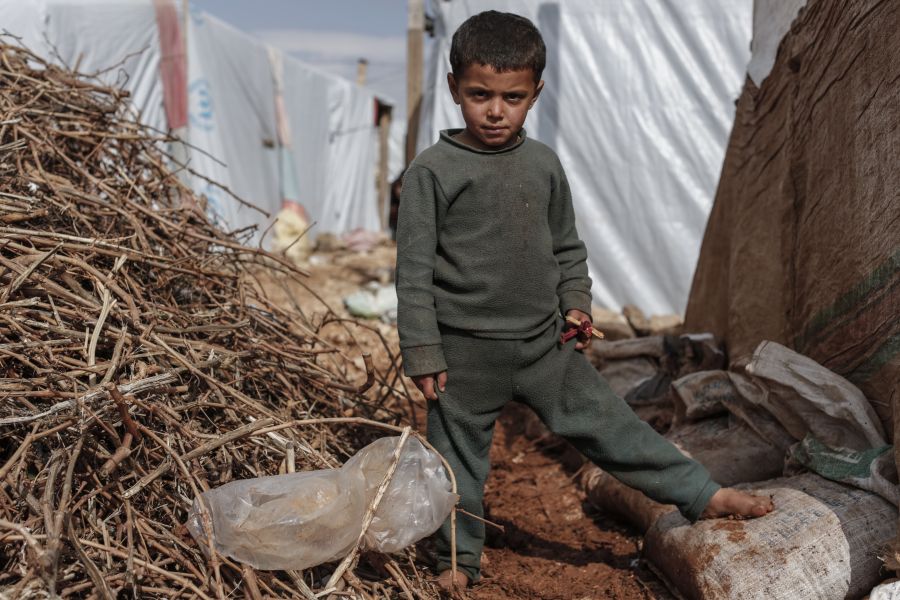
493 130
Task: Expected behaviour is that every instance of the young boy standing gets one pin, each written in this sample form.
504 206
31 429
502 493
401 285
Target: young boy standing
488 263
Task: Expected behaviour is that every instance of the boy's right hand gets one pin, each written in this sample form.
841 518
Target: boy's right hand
426 384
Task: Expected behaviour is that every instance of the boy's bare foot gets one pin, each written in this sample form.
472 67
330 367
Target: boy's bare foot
729 502
446 582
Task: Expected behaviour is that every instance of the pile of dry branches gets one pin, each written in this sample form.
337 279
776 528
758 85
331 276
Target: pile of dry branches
141 363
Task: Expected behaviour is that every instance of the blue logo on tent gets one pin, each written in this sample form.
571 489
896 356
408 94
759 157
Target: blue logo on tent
201 105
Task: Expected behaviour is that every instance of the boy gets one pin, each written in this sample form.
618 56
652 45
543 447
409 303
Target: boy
488 262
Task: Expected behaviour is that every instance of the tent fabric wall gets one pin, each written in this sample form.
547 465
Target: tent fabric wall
232 119
25 20
803 243
118 41
771 21
638 103
307 103
397 154
231 108
172 63
350 202
333 127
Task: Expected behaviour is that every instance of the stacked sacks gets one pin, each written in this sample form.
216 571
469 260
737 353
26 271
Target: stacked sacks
823 539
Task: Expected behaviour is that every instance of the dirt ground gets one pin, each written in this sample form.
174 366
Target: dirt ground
555 545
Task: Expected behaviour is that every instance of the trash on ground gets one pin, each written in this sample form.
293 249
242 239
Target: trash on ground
329 242
292 237
299 520
375 301
363 240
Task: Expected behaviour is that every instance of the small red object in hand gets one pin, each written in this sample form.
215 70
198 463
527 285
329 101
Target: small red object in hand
585 330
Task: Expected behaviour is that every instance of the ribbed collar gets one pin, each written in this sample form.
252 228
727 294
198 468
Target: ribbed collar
447 136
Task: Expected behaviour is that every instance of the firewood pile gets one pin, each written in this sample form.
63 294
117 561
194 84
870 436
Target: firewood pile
141 363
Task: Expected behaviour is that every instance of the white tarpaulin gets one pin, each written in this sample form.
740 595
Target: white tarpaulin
397 153
638 103
25 20
351 201
771 21
231 102
231 117
335 148
117 41
306 94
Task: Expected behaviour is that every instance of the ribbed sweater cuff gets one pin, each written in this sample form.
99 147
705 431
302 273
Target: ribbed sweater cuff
575 299
693 512
423 360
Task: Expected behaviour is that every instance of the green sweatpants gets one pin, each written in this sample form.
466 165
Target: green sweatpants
573 400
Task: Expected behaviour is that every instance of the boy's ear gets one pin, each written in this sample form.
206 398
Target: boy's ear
537 92
454 87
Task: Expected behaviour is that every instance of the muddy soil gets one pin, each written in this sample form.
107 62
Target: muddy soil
555 545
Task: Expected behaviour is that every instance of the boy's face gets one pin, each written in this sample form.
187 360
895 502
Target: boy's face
494 105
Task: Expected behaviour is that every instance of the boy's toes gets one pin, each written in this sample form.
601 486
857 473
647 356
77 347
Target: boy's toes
762 506
729 502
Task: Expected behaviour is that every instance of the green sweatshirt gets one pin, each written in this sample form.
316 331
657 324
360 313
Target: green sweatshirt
486 243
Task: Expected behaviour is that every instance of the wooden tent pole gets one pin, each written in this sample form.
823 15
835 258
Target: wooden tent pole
415 42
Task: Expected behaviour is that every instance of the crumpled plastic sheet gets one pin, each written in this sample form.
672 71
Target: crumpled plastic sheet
300 520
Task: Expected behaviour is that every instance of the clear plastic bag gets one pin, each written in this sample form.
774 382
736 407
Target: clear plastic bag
299 520
416 502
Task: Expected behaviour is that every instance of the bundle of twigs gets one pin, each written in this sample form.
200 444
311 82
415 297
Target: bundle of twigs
141 363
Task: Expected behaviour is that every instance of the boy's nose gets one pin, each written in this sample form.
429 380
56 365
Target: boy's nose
495 109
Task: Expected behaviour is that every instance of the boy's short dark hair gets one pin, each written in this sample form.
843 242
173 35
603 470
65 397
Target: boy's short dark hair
504 41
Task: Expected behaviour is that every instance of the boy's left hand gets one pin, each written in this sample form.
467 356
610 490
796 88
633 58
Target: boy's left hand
583 341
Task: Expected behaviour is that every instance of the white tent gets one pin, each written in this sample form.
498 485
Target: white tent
232 117
117 40
771 21
638 103
334 140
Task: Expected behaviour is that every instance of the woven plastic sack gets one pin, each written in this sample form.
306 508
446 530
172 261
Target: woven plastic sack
700 395
821 543
886 591
299 520
872 470
806 397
